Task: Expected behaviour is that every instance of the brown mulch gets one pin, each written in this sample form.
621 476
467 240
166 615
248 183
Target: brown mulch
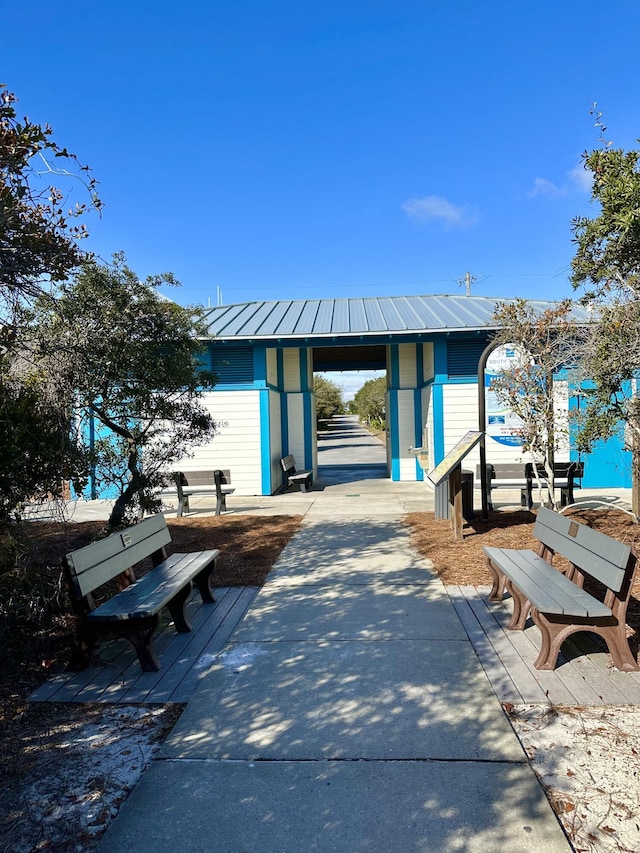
462 563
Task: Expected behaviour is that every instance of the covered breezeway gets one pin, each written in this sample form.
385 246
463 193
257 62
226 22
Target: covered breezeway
266 353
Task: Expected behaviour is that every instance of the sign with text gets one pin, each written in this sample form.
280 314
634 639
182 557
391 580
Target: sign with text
503 425
454 457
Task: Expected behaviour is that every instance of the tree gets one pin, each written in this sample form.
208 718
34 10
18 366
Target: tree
38 237
607 265
328 398
370 401
39 452
38 248
129 361
545 344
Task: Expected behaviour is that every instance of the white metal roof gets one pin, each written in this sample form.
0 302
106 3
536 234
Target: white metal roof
402 315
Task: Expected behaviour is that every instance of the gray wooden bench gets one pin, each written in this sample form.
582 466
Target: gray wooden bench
133 610
515 475
294 477
190 483
556 600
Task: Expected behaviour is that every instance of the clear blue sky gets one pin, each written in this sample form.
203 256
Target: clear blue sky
284 149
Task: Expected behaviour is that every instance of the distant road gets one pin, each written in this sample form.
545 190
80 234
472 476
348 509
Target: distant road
346 442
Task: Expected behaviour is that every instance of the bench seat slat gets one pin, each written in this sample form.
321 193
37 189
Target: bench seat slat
544 586
148 595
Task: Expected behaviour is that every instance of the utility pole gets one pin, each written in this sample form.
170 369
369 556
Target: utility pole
467 281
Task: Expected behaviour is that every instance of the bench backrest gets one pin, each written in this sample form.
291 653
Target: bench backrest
288 464
594 553
569 470
516 471
198 478
102 561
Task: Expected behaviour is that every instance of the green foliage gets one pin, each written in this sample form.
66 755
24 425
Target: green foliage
607 265
38 246
38 452
369 401
124 356
328 396
607 259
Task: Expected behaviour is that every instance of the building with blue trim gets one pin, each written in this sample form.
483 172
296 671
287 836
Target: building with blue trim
266 353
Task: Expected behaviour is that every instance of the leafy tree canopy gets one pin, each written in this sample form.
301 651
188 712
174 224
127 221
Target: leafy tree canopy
328 398
546 341
369 401
607 265
132 361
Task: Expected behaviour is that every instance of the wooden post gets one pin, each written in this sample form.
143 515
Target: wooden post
455 501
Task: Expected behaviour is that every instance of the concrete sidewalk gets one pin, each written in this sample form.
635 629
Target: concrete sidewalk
348 713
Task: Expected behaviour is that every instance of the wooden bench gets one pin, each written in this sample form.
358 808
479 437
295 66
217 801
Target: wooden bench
514 475
294 477
556 600
133 610
185 485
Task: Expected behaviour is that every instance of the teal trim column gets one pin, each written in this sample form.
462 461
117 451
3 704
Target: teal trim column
417 406
437 398
265 442
284 412
306 386
393 416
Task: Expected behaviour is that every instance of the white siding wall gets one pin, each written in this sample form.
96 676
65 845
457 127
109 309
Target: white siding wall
427 420
236 445
272 367
291 366
407 366
275 447
460 403
406 436
428 366
295 411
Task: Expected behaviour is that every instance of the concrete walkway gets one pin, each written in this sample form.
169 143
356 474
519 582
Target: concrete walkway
348 712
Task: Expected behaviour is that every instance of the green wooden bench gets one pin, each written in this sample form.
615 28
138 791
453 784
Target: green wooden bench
133 610
515 475
187 484
293 476
556 600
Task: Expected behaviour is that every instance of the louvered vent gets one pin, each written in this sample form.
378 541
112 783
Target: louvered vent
233 365
463 357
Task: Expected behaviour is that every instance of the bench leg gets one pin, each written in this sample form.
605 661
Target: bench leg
177 611
140 635
83 649
202 582
521 608
498 584
554 632
221 504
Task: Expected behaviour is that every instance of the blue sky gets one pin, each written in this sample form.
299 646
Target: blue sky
276 150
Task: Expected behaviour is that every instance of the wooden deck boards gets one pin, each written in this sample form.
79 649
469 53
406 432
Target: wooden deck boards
185 658
584 675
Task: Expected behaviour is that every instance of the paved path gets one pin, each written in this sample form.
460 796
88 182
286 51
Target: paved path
348 712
